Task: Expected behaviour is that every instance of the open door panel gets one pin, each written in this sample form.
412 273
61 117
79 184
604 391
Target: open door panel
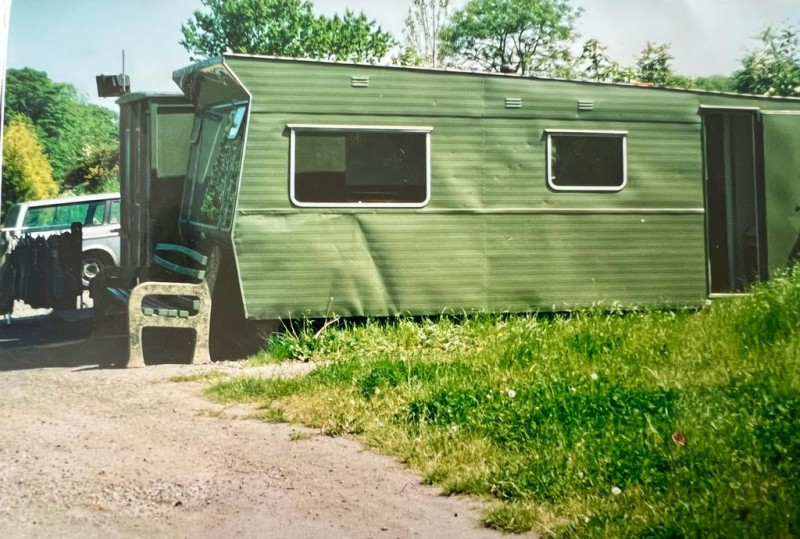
782 186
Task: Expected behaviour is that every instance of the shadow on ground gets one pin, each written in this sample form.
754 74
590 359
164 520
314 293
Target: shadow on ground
70 339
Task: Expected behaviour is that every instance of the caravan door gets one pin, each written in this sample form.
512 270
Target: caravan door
782 185
734 206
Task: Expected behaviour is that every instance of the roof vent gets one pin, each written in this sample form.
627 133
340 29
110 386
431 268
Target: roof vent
359 82
585 106
513 102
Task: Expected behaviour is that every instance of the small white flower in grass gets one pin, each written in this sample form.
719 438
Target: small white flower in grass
616 491
454 428
511 393
586 519
377 391
593 376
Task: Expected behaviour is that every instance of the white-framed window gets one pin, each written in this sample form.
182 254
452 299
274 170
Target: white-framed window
359 166
587 160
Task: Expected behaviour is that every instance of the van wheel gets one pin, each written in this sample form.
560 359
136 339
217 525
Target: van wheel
93 264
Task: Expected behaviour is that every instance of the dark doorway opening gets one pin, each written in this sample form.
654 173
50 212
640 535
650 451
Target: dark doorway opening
734 200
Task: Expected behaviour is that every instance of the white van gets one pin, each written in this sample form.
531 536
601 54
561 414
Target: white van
99 215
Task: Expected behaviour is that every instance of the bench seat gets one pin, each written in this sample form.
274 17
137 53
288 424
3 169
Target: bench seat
173 304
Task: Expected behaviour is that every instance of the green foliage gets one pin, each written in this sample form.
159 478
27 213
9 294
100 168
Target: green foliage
715 83
250 388
530 36
98 172
283 28
408 56
423 33
773 68
27 174
595 65
593 424
65 124
352 38
654 66
511 518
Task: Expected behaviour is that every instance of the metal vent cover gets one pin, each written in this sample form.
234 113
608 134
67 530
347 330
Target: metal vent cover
585 105
513 102
359 82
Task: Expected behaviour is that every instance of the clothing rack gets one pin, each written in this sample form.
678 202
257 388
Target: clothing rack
44 272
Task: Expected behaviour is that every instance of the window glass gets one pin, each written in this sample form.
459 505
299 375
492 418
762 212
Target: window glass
13 215
97 212
114 216
172 152
354 167
236 123
586 161
41 216
217 165
197 122
58 215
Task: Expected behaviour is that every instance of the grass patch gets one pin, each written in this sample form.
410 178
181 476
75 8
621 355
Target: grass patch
208 376
594 424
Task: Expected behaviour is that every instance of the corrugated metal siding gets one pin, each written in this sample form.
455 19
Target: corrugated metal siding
312 88
352 264
493 163
562 261
494 237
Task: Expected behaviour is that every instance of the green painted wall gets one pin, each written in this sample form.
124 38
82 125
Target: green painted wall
494 236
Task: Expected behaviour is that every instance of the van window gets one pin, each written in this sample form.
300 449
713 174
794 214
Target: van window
96 213
115 216
351 166
586 160
63 215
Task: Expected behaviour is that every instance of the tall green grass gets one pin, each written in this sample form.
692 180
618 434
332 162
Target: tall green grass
594 424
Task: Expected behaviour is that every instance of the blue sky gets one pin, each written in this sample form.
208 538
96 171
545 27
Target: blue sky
74 40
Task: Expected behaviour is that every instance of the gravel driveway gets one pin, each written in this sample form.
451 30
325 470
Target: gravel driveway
105 452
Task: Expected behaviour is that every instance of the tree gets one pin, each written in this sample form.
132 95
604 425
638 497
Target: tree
595 65
774 68
65 124
530 36
352 38
283 28
27 174
424 25
654 66
97 173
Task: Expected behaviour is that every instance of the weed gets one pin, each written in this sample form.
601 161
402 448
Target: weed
298 435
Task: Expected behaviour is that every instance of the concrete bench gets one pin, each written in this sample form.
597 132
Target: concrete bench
172 304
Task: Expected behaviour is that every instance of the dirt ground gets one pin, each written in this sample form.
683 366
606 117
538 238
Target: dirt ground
87 451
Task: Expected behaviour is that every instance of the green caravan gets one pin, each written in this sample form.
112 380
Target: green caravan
361 190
